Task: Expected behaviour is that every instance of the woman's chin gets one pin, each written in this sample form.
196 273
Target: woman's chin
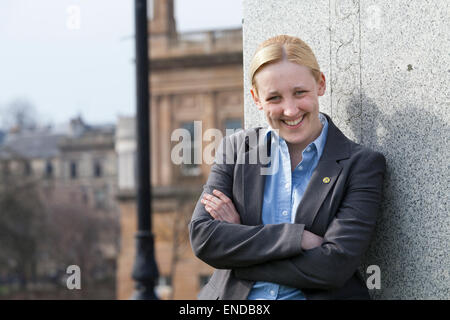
292 139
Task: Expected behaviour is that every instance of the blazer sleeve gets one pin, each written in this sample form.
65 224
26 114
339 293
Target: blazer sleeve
347 238
226 245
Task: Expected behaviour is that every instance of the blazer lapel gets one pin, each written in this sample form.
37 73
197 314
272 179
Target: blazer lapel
252 184
253 188
253 181
324 176
316 191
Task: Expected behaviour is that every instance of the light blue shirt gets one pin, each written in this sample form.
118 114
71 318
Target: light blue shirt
283 191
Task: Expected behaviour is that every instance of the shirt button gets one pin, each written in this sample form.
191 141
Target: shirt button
300 168
284 213
308 149
287 185
272 293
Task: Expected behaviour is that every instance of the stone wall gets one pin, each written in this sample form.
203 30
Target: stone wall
386 64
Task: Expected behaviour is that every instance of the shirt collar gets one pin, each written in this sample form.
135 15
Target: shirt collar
322 138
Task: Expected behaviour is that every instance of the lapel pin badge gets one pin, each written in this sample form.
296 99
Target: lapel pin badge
326 180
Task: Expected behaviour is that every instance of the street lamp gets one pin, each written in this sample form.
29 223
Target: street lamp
145 270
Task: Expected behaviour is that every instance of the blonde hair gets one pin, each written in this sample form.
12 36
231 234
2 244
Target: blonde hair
283 47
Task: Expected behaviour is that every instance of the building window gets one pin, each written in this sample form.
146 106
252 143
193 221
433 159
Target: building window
100 199
84 194
97 169
189 168
5 168
135 170
27 169
48 169
150 9
73 170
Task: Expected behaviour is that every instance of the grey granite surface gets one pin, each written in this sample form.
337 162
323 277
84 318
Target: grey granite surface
387 68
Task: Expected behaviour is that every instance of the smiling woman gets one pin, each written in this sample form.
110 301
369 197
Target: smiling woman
301 231
289 96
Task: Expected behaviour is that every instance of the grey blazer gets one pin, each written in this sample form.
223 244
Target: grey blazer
343 210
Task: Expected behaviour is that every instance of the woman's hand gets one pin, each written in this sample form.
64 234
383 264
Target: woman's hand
310 240
220 207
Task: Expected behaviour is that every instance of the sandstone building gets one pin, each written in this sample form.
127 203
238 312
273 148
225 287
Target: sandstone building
194 76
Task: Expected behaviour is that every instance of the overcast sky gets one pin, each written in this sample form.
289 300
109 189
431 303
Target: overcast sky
67 66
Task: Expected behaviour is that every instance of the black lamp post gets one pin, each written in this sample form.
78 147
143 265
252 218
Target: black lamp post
145 270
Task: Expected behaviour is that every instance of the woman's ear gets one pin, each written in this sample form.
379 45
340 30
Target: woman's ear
256 98
322 85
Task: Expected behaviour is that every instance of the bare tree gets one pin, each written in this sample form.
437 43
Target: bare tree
20 114
42 233
23 223
77 231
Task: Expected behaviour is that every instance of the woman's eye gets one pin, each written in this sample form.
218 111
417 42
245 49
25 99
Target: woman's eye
299 92
274 98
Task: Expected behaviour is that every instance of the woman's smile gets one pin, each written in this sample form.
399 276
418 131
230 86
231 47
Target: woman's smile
293 124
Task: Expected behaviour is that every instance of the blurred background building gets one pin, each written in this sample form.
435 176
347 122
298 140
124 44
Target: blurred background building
194 76
57 198
67 191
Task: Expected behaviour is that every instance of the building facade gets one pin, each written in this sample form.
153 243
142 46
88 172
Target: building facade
196 82
74 174
82 157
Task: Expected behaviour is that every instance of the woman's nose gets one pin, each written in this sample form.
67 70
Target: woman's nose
290 109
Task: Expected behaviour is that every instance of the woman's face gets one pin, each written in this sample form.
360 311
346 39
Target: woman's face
288 94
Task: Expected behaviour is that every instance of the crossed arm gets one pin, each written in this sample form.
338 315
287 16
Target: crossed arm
297 257
347 238
221 208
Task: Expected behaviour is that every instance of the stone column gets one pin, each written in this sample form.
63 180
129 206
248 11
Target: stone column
386 65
